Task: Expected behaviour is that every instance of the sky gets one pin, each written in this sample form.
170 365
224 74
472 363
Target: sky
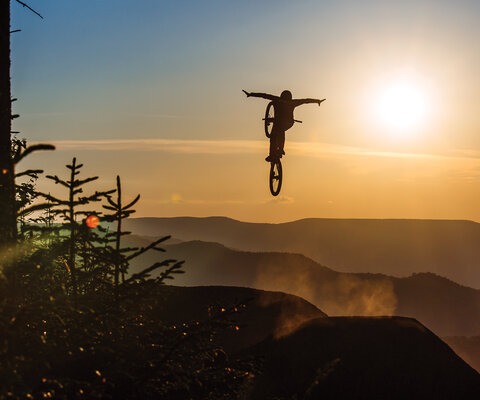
151 90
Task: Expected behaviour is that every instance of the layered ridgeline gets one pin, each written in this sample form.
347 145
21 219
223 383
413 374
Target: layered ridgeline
445 307
392 247
401 247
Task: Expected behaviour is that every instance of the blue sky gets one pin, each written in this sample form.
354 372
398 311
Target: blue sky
173 70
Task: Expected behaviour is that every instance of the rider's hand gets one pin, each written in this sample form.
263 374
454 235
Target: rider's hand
244 91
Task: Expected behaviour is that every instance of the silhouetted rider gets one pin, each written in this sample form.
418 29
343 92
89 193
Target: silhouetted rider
283 118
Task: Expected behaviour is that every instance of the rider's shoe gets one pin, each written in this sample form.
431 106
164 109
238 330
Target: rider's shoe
274 157
269 158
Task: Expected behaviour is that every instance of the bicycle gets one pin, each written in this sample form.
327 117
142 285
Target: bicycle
276 171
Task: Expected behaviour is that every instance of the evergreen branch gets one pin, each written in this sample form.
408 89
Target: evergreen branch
97 196
113 234
109 208
76 191
127 213
131 204
31 209
49 197
112 203
149 247
174 269
74 167
30 8
32 173
15 31
86 213
106 193
115 216
127 249
30 149
116 233
79 182
146 271
56 179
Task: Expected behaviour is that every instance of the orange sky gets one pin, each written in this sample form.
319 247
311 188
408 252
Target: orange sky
153 93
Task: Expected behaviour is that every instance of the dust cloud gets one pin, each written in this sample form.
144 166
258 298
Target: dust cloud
336 294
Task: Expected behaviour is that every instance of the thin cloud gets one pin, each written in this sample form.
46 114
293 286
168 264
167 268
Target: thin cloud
321 150
178 199
80 114
164 145
312 149
464 153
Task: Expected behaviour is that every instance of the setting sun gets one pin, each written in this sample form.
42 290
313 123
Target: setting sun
402 107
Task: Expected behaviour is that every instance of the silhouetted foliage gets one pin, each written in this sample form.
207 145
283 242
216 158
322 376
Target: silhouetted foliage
75 323
71 210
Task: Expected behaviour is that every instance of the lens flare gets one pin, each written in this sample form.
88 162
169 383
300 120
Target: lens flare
92 221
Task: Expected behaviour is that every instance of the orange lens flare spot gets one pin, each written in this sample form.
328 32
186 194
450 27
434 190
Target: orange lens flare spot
92 221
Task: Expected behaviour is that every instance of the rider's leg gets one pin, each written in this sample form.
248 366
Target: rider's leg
271 153
273 145
281 142
277 141
277 138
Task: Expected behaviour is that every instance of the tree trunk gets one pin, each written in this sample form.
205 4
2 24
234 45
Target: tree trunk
8 229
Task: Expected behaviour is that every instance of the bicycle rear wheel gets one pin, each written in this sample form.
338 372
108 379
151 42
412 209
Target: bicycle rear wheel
276 175
269 118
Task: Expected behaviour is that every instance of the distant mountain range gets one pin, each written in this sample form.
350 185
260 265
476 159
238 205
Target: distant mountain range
392 247
319 357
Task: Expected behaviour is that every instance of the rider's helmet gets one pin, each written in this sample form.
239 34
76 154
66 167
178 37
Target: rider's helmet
286 95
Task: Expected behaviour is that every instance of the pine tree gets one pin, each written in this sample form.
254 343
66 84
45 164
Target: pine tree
121 256
70 211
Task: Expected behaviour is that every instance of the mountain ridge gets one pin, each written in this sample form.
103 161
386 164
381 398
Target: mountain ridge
396 247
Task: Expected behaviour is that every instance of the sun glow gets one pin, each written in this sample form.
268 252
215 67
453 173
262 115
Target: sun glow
402 108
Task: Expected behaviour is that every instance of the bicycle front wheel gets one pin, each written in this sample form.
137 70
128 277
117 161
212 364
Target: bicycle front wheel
269 118
275 177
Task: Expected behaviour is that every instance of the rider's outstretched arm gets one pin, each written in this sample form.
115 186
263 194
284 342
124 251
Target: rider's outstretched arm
299 102
261 95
